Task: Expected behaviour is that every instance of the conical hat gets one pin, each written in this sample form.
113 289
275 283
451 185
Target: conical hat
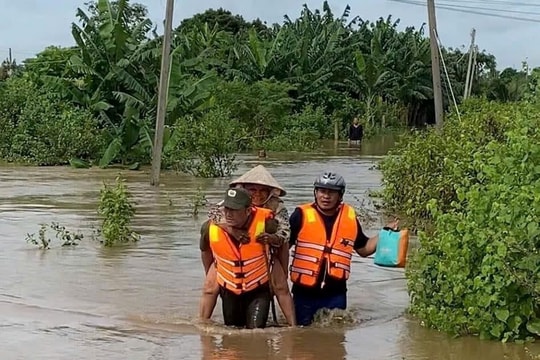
260 176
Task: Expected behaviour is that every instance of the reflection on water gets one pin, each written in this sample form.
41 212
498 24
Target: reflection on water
298 344
140 301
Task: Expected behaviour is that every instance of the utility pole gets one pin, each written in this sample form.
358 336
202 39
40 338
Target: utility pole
162 94
435 69
9 64
467 91
473 72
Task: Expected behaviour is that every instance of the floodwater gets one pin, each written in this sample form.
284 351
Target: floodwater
141 301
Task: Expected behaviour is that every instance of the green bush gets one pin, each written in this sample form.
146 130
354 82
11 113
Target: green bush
261 108
427 165
474 190
116 209
204 147
14 95
42 130
302 131
478 272
265 110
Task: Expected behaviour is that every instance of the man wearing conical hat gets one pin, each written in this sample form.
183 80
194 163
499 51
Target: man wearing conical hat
265 192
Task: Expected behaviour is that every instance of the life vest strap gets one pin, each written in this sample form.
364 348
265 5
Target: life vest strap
232 286
308 245
324 249
232 273
302 270
341 266
347 242
225 261
251 261
239 263
228 283
256 281
247 274
242 275
341 253
312 259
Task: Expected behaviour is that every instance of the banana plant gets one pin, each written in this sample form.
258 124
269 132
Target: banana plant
116 73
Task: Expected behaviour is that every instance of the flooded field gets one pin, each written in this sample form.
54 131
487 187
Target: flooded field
141 301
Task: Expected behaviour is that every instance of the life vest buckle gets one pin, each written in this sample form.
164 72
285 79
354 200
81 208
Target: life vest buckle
346 242
239 275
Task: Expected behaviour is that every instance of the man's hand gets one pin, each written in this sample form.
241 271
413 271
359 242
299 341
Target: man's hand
239 234
371 245
270 239
393 224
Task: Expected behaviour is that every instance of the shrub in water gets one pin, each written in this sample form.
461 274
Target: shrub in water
116 210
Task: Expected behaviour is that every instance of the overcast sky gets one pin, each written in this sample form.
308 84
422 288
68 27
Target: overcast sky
28 26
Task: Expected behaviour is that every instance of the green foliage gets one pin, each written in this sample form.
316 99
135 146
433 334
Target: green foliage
128 143
66 237
265 112
264 76
427 165
474 191
206 146
14 96
479 271
223 19
197 201
116 210
50 63
261 107
300 132
41 129
115 72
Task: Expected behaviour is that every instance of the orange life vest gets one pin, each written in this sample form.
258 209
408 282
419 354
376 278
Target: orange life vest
241 267
313 246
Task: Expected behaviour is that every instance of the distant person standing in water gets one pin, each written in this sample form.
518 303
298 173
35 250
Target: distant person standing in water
356 132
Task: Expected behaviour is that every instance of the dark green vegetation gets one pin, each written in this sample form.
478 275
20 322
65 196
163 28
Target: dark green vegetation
234 85
473 191
116 210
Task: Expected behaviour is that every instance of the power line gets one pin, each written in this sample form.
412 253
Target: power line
457 9
483 8
496 2
462 8
439 48
491 9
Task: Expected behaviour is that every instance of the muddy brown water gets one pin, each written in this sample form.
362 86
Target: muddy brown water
141 301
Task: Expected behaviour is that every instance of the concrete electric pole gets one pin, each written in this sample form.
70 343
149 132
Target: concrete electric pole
162 94
467 91
435 69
